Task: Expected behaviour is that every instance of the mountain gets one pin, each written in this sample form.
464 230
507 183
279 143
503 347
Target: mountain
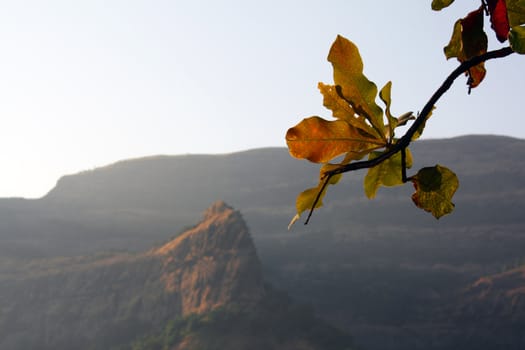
205 278
388 273
115 205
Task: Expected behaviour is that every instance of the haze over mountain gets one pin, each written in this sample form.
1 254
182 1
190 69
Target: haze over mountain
112 300
115 206
390 274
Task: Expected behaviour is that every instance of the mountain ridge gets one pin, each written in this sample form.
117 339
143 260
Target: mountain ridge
201 289
78 302
381 269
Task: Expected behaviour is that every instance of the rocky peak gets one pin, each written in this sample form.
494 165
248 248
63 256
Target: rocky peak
214 263
83 300
216 209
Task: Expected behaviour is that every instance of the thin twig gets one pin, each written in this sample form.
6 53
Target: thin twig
325 183
405 140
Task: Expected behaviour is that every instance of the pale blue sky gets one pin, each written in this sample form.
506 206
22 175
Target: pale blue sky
86 83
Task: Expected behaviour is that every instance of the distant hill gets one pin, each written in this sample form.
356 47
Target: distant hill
390 274
132 204
198 287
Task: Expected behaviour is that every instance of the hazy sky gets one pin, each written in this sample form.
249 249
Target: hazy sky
87 83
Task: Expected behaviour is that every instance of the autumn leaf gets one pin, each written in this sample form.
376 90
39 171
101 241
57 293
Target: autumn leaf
438 5
356 89
388 173
517 39
393 122
516 12
498 18
516 16
320 140
342 110
469 40
435 187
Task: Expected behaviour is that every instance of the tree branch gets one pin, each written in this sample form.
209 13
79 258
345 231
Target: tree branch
405 140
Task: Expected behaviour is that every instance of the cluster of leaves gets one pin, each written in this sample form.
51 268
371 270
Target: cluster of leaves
362 129
507 18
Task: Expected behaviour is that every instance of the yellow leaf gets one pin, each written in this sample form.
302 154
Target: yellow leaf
344 111
356 88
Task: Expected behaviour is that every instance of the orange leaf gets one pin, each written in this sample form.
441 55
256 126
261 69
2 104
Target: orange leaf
319 140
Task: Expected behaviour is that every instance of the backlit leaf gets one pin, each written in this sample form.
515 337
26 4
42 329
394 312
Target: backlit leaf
393 122
454 47
342 110
469 40
384 95
517 39
516 12
320 141
435 187
438 5
329 167
305 200
355 87
498 18
388 173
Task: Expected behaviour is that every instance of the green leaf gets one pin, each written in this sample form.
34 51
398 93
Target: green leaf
320 140
388 173
453 49
385 96
438 5
393 122
356 89
517 39
516 12
435 187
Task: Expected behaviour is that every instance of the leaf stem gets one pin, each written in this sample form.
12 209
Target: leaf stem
328 176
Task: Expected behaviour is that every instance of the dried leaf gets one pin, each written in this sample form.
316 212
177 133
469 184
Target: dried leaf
469 40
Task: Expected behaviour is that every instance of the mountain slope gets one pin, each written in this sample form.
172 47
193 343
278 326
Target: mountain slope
387 272
203 287
115 205
81 301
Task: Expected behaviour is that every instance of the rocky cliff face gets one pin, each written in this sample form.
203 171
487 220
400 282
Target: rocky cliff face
98 302
212 264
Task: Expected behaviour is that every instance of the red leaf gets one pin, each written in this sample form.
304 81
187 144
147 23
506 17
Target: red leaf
498 18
